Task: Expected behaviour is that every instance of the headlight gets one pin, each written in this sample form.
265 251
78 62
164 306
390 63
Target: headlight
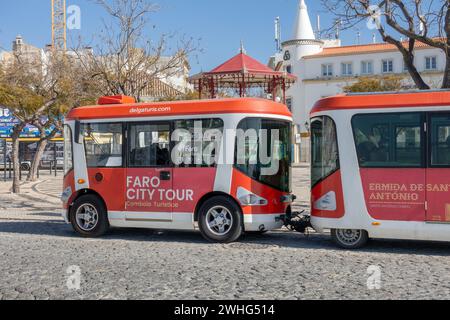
65 196
326 202
247 198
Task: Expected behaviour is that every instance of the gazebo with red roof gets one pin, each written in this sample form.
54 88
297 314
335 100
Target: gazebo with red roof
242 73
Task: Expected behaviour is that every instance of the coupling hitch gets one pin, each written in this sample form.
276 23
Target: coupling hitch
298 221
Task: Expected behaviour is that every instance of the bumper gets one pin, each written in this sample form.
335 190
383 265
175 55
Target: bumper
65 215
258 222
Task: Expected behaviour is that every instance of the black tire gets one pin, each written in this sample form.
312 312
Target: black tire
350 239
102 224
224 206
25 167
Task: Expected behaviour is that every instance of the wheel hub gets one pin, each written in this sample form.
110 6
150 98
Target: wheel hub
219 220
87 217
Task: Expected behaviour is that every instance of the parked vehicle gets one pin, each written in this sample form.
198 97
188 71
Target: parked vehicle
123 167
381 167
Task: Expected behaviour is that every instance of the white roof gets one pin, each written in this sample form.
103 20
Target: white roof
303 29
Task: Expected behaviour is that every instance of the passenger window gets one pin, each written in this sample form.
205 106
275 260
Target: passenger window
201 151
149 145
389 140
440 140
103 144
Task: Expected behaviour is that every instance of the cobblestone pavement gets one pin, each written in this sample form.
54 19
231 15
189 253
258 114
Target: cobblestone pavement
36 250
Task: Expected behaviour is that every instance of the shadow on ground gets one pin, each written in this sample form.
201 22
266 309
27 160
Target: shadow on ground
277 239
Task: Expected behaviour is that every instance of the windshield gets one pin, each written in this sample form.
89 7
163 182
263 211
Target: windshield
263 151
324 149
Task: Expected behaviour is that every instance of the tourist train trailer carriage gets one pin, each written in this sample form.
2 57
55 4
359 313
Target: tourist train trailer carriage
120 172
381 166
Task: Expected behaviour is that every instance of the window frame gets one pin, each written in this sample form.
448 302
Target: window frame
423 136
290 105
146 122
289 69
387 61
338 163
329 67
123 124
236 166
429 139
66 172
431 63
345 66
367 62
173 143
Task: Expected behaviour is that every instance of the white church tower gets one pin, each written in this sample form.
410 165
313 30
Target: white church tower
303 43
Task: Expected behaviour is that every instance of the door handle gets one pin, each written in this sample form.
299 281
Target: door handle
165 175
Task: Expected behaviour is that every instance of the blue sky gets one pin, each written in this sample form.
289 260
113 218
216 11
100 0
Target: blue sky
220 25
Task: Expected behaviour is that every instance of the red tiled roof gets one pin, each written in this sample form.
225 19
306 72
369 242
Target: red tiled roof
242 63
362 49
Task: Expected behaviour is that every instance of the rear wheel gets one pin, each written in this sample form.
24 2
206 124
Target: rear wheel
220 220
88 217
350 239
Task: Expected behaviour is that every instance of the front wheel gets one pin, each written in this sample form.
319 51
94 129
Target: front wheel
350 239
220 220
88 217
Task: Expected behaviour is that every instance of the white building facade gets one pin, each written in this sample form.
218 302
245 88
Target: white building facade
325 68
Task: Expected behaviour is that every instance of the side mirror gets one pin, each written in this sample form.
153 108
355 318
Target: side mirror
78 132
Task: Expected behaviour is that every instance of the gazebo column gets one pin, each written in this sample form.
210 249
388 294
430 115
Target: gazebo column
200 88
274 89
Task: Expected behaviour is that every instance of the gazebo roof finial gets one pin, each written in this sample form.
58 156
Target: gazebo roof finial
242 49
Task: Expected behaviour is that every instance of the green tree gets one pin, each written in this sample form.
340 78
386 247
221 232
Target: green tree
365 84
38 91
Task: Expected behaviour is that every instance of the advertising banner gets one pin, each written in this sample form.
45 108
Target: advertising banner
7 123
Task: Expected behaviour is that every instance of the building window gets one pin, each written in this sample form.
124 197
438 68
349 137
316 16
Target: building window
367 67
327 70
347 69
430 63
388 66
289 103
289 69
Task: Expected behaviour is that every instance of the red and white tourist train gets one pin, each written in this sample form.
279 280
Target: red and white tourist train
381 167
126 166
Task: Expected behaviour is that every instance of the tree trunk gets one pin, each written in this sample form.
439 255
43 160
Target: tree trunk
408 58
15 157
42 144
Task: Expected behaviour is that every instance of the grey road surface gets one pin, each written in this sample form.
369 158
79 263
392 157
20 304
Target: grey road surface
42 258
